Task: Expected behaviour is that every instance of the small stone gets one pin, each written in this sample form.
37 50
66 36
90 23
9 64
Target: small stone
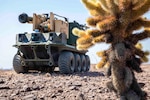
48 75
84 78
4 87
60 91
78 84
15 93
42 96
106 90
35 87
2 81
26 88
80 96
72 88
29 97
53 95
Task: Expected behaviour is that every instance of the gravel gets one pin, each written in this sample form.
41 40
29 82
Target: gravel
55 86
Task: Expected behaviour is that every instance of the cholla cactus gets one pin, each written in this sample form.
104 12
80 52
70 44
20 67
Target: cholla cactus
115 22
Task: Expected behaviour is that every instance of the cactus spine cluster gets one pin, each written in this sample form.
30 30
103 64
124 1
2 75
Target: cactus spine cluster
116 22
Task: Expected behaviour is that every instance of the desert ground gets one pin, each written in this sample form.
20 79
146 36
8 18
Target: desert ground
55 86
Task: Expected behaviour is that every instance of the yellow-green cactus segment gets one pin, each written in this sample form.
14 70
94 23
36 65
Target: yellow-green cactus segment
139 46
87 39
102 63
78 32
92 21
107 24
93 6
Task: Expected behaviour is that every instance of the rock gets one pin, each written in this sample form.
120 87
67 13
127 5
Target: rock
2 81
73 88
77 84
15 93
4 87
26 88
29 97
80 96
35 87
48 75
53 95
44 86
60 90
85 78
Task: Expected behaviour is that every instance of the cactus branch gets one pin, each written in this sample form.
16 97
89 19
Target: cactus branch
107 24
102 63
93 6
85 46
137 4
112 7
104 5
94 32
93 20
87 39
78 32
140 11
138 24
139 36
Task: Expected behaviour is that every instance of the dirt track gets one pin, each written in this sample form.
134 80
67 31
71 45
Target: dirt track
55 86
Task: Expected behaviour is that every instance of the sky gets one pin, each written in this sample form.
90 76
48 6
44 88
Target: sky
10 26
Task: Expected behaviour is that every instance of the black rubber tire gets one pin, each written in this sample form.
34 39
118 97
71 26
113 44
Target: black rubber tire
77 63
66 62
83 63
88 64
17 65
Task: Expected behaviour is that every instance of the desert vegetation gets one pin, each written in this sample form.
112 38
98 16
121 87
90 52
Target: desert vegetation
116 22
